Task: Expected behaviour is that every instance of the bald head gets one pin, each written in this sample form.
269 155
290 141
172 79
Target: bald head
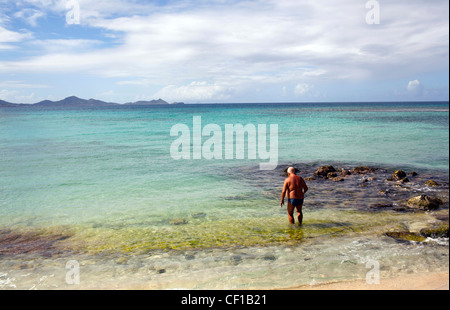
291 170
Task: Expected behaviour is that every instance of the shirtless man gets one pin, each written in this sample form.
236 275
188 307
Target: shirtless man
295 188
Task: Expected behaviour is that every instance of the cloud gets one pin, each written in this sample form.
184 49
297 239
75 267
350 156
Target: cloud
195 92
415 88
303 89
21 84
30 16
234 45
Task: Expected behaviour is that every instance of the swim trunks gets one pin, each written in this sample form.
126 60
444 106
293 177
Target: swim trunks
296 202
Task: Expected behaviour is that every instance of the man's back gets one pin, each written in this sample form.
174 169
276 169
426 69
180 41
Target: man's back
296 187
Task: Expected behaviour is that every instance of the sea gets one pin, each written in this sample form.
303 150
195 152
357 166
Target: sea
100 198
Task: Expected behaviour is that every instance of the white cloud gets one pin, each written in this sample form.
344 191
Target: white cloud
303 89
415 88
21 84
236 45
7 36
30 16
195 92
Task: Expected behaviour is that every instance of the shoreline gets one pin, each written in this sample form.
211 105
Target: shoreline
423 281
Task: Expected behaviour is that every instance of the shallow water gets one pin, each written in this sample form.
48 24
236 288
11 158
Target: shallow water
96 186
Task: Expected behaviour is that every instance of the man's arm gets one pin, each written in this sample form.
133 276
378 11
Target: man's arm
283 194
305 187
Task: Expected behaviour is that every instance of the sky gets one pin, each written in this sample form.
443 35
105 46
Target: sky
220 51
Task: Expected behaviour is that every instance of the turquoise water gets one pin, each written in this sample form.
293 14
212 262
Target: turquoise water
106 176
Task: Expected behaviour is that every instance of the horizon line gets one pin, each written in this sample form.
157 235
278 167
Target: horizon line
204 103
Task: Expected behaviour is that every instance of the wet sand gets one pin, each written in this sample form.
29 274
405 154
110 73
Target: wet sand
427 281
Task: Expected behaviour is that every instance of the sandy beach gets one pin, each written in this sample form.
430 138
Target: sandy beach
427 281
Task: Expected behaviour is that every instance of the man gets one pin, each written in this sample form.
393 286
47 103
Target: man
295 188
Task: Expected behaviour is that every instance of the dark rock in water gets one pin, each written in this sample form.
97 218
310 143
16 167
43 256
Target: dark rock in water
405 236
310 179
189 257
398 175
236 259
381 206
331 175
269 257
199 215
431 183
177 222
404 180
424 202
324 171
435 232
362 170
16 243
413 174
345 172
338 179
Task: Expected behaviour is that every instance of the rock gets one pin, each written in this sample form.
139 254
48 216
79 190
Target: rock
431 183
199 215
413 174
398 175
177 222
381 206
362 170
331 175
345 172
324 171
269 258
383 192
310 179
338 179
435 232
424 202
405 236
404 180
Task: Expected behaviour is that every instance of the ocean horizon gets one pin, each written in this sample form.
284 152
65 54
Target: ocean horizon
101 186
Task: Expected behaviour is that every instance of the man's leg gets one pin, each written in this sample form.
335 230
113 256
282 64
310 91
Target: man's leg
300 214
290 210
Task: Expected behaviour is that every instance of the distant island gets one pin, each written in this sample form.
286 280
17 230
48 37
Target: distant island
78 102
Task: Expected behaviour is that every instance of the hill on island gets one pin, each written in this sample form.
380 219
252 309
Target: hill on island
74 101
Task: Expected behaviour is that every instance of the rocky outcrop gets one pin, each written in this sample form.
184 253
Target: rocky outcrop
324 171
431 183
398 175
424 202
362 170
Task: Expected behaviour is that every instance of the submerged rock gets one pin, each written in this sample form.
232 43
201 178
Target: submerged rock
424 202
405 236
362 170
324 171
338 179
398 175
436 232
431 183
177 222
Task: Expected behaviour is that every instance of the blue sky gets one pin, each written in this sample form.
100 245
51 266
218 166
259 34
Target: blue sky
224 51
